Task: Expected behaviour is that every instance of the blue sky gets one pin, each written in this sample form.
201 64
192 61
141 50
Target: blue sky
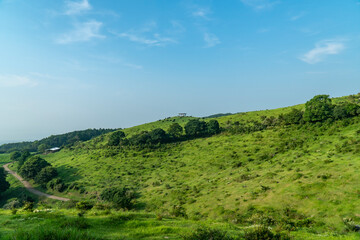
74 64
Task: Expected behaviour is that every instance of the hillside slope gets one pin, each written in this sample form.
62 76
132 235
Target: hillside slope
307 172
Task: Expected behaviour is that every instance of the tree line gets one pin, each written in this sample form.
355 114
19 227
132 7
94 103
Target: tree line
319 109
194 128
61 140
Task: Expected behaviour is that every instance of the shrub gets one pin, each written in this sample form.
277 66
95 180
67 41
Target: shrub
56 184
263 233
213 127
115 138
121 197
15 156
45 175
175 130
32 167
84 205
195 128
204 233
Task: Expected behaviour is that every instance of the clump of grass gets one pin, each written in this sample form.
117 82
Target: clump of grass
77 223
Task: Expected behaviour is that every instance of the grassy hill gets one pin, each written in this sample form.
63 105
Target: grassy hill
300 177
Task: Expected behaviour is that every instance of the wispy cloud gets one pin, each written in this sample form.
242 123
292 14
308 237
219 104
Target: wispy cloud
16 81
82 33
211 40
260 4
77 7
297 16
323 49
146 35
202 12
155 40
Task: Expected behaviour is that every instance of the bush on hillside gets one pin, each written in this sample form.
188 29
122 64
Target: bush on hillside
175 130
318 109
24 156
32 167
84 205
213 127
15 156
293 117
115 138
264 233
45 175
195 128
121 197
56 184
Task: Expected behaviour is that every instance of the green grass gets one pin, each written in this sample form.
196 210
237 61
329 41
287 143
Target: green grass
65 224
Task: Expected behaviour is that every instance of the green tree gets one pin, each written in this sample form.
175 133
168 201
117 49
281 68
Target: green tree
213 127
45 175
15 156
158 135
4 185
32 167
115 138
318 109
175 130
293 117
24 156
42 148
195 128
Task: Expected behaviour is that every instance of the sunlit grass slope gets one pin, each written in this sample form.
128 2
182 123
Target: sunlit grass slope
312 169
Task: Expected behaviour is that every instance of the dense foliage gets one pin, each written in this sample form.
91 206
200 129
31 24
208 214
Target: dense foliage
193 129
37 169
4 185
318 109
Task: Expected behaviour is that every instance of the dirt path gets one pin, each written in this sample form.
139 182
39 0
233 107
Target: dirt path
28 186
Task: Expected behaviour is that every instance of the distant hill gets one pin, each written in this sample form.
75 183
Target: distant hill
55 140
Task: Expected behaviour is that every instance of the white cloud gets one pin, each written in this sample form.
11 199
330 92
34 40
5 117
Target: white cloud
156 40
321 50
202 13
16 81
211 40
260 4
82 33
77 7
